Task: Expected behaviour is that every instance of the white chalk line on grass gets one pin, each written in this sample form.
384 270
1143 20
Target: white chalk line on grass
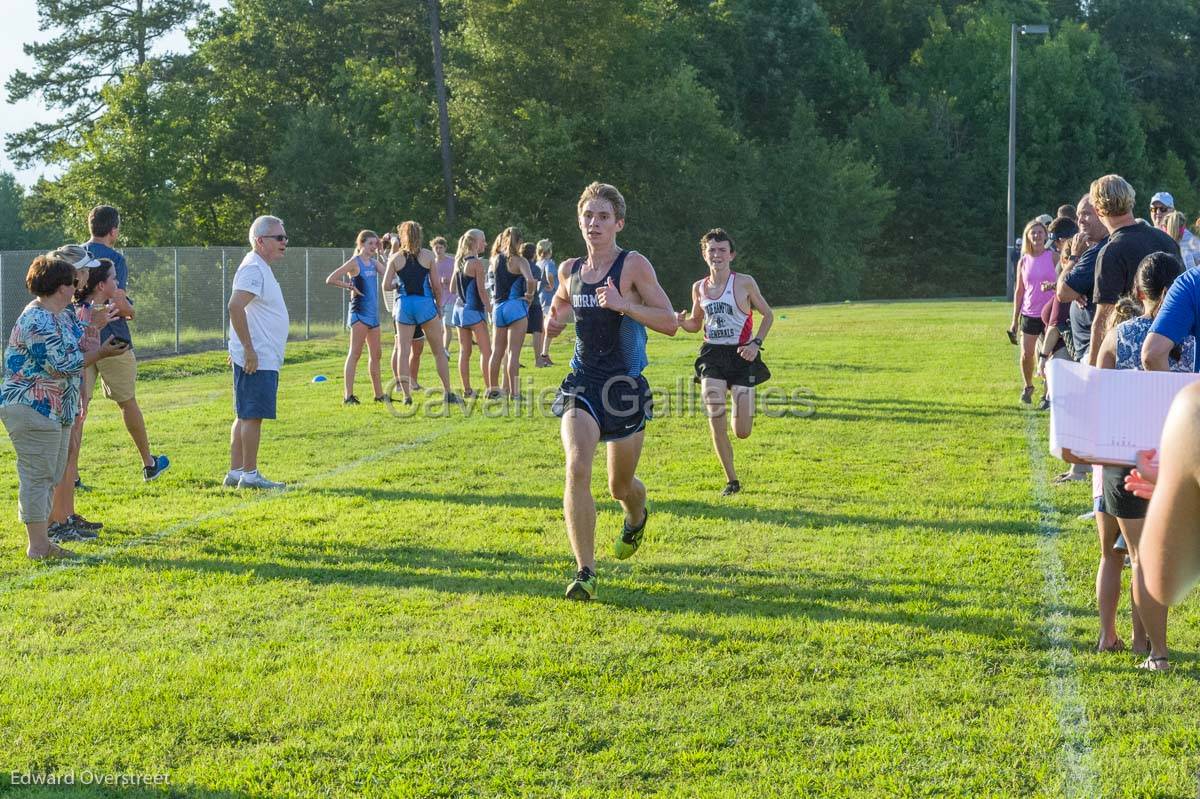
1079 775
29 578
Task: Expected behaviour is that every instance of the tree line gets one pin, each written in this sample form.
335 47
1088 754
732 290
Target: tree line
854 148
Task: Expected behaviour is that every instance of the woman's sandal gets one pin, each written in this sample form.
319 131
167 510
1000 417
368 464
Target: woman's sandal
55 552
1155 664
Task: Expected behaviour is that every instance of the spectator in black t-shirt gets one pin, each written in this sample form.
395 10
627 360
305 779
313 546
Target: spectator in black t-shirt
1129 242
1075 285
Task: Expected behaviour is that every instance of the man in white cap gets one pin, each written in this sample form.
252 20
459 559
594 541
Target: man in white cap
1163 203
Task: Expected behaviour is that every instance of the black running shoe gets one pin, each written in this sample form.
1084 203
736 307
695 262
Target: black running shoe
351 400
80 523
731 488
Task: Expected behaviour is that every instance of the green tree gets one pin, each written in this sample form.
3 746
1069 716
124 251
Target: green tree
97 41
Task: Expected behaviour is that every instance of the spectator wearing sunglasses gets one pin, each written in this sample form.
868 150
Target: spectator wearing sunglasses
40 396
258 331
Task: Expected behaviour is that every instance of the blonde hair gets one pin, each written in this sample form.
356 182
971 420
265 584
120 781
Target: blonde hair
545 248
460 259
1112 196
603 191
1174 224
363 237
508 243
410 237
1026 241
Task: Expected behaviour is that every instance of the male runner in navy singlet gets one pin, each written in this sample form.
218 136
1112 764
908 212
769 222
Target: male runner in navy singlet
615 296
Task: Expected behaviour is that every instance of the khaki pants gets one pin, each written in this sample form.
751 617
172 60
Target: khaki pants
41 445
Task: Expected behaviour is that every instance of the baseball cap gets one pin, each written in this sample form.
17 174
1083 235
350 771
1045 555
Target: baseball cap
1163 197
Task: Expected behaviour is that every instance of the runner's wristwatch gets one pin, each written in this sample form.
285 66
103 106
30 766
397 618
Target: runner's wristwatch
756 341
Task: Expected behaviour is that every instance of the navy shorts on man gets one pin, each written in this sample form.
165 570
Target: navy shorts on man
620 405
254 395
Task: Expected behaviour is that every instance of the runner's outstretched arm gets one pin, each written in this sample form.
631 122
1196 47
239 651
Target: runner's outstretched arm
695 320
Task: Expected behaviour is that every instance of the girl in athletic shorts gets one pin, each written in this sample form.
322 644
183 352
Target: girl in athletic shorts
513 291
535 323
545 261
730 358
472 308
417 302
1122 349
360 277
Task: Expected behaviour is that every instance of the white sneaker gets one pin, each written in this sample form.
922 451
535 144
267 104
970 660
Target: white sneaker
232 477
256 480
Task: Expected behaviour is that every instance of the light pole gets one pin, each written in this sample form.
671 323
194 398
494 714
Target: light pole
1010 251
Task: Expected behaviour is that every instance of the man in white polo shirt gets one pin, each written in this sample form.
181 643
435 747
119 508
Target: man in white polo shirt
258 331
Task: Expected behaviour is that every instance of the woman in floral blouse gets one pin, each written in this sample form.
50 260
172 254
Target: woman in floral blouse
39 398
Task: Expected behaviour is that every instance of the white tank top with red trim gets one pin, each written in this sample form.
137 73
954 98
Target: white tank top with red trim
724 321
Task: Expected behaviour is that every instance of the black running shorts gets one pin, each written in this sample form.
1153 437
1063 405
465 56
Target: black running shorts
722 362
620 405
1119 502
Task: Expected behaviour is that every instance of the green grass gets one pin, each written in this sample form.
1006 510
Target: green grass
869 618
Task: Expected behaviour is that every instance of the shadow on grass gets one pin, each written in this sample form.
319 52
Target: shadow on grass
691 509
726 591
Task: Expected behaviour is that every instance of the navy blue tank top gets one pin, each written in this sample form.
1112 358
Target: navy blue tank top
366 302
466 288
508 285
413 279
607 343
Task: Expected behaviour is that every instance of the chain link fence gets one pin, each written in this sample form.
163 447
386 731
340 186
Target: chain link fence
180 294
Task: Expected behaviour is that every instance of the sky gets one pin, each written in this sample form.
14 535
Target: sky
21 26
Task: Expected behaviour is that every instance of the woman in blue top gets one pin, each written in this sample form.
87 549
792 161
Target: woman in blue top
514 287
472 308
418 298
360 277
1124 511
545 261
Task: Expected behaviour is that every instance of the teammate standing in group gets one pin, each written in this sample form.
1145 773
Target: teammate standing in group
615 296
730 360
418 299
513 291
545 261
359 277
472 308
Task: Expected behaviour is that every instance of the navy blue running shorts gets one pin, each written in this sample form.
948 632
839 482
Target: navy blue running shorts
620 405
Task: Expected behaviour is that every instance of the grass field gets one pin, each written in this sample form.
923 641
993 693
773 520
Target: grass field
897 605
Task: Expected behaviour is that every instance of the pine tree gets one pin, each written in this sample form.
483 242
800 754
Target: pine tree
97 41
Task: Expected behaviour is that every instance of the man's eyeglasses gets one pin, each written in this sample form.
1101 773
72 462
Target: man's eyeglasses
280 238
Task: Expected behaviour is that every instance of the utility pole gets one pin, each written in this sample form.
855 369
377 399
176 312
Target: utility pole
439 79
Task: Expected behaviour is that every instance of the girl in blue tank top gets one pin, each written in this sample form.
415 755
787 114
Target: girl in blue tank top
472 308
418 298
514 289
360 277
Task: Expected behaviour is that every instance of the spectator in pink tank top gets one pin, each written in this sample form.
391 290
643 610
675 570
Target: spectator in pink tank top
1035 269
